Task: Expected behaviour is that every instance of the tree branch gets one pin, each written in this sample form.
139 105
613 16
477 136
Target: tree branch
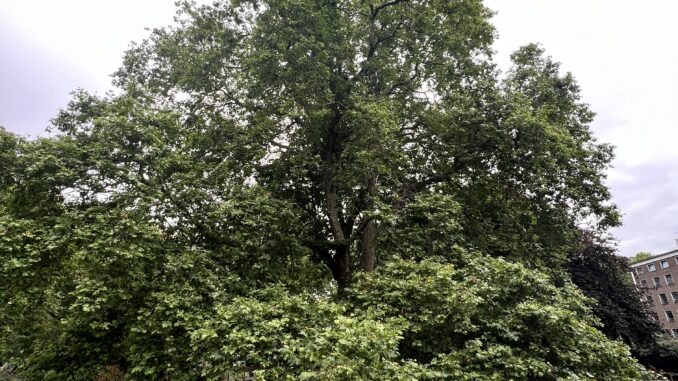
359 230
377 9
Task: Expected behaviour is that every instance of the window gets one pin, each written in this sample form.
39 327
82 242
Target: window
639 270
663 299
669 315
648 298
675 333
657 282
674 295
664 264
654 315
669 279
651 267
643 283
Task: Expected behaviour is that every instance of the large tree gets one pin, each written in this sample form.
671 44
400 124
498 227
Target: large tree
350 110
309 189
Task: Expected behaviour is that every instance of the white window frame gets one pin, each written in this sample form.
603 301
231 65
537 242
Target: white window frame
639 270
666 279
672 318
674 296
664 263
651 267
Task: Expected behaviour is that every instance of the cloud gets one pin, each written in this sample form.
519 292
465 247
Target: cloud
647 194
50 48
35 84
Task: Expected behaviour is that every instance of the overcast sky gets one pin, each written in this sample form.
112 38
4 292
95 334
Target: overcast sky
622 53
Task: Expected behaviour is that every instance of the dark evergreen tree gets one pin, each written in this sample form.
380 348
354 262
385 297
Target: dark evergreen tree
605 277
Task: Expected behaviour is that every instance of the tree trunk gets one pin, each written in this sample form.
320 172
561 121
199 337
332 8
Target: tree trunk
343 270
368 256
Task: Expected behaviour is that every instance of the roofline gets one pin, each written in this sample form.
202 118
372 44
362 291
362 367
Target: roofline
657 257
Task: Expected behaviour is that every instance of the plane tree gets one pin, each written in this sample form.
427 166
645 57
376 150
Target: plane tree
309 190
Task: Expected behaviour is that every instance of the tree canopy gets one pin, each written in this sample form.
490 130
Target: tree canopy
320 190
640 256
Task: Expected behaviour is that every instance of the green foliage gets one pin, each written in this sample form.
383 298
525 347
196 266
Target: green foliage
640 256
492 319
662 355
604 276
309 190
280 336
8 151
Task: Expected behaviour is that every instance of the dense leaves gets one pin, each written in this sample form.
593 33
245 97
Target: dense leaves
321 190
620 306
492 319
604 276
662 354
640 256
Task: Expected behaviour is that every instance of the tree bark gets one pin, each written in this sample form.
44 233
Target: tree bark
343 270
368 256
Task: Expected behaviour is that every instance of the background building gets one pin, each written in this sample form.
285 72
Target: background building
657 277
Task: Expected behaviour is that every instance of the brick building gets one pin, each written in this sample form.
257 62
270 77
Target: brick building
658 278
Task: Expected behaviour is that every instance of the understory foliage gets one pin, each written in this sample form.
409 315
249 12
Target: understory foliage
315 190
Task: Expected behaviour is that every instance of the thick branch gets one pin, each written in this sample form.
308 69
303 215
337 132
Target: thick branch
368 253
333 210
377 9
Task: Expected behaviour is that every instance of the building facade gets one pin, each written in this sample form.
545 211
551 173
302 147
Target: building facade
658 278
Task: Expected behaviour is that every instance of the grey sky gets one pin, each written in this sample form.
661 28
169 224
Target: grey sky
624 58
621 52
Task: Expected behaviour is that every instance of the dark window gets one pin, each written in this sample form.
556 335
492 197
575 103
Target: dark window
669 279
643 283
657 282
669 315
674 295
648 298
663 299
